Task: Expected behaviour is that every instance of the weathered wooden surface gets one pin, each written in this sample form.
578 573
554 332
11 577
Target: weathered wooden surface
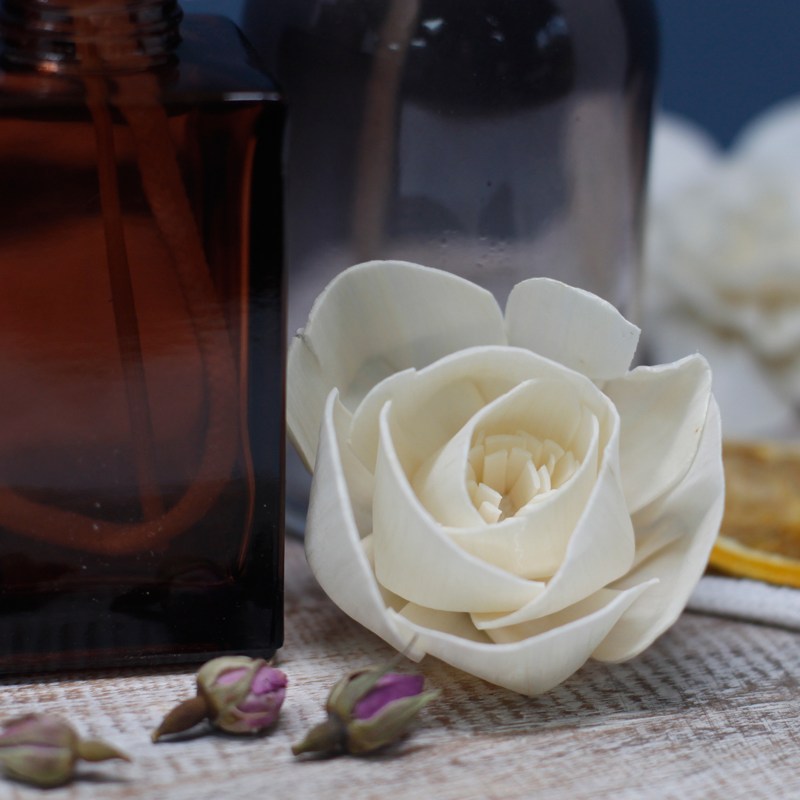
710 711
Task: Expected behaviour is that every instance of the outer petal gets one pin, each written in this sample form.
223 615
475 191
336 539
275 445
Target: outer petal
743 385
662 414
365 427
333 545
571 326
530 666
306 390
375 319
687 522
416 560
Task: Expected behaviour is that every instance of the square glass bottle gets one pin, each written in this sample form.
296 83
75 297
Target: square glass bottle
141 338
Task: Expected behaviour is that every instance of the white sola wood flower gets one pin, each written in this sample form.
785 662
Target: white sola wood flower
500 491
723 252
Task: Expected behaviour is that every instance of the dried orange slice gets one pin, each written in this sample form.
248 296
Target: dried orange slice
760 534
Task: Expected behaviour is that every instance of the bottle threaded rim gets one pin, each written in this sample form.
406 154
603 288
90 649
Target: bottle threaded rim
89 36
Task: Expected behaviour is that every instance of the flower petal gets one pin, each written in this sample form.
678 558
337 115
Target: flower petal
751 405
364 430
389 688
375 319
440 484
416 560
583 608
687 522
332 540
306 390
428 411
571 326
662 413
530 666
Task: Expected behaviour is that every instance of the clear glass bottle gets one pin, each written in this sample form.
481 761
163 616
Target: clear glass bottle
499 139
141 337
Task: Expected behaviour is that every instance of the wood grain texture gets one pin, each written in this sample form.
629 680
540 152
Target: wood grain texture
710 711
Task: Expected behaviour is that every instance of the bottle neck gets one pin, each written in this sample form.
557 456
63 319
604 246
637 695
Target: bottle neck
89 36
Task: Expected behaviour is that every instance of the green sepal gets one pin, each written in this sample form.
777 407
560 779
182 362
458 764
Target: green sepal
95 750
327 737
183 717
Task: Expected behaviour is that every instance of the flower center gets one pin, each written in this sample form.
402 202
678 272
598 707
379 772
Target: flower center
508 472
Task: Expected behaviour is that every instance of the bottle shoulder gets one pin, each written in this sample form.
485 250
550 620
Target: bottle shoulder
215 57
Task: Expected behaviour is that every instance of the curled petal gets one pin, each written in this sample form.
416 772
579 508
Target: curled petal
416 560
364 437
441 486
662 415
428 411
685 523
530 666
541 625
373 320
750 404
571 326
333 544
306 390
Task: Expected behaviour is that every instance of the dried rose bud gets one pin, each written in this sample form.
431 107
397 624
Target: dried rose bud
237 694
367 710
244 694
42 750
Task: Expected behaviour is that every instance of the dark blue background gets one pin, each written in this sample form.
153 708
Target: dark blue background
722 60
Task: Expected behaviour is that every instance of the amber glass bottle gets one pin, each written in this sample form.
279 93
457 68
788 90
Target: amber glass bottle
141 337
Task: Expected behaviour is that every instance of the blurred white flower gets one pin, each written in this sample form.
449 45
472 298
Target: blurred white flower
723 259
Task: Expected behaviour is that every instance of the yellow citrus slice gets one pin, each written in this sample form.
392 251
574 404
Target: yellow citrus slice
760 534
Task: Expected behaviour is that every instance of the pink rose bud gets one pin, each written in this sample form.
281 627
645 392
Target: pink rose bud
367 710
244 695
237 694
42 750
390 687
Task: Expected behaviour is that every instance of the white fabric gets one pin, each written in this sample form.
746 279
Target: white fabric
752 601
